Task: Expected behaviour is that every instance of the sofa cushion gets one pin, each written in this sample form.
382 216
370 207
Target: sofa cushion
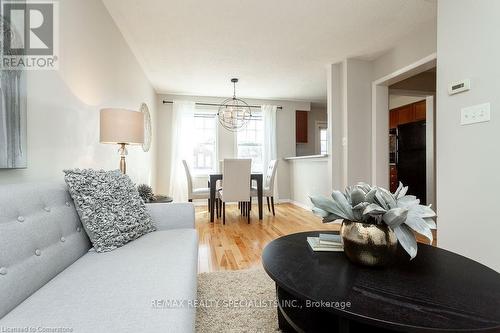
109 206
40 235
115 291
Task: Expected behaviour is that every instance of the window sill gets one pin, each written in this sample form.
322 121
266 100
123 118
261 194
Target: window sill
305 157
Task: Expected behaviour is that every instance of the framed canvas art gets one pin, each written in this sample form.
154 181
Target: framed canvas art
13 109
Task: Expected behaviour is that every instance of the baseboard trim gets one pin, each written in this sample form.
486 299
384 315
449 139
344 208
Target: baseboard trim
300 204
203 202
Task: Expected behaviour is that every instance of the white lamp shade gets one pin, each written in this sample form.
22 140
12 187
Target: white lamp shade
121 126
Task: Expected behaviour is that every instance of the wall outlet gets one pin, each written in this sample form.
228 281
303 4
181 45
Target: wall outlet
475 114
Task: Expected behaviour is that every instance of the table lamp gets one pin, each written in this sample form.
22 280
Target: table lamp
122 127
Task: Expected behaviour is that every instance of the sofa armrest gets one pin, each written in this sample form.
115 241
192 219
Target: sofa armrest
172 215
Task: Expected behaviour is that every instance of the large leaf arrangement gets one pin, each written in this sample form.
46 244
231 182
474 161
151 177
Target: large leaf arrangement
375 205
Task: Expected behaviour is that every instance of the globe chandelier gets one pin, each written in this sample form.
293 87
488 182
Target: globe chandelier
234 113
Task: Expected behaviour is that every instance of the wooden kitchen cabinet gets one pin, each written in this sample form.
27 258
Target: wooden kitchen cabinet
420 110
407 114
301 126
393 119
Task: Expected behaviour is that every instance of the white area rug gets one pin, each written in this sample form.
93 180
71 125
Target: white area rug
236 301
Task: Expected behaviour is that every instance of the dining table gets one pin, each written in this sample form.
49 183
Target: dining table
214 177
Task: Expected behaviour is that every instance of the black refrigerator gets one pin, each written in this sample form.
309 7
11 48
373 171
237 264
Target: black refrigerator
411 158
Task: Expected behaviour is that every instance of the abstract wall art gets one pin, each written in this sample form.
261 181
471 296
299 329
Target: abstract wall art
13 131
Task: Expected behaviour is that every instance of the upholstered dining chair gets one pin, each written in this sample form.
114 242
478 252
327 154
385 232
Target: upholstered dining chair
268 188
195 193
236 188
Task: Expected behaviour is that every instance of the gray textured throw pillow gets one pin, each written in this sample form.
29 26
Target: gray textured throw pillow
109 207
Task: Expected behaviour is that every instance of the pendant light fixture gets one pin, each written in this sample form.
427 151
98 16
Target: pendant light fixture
234 113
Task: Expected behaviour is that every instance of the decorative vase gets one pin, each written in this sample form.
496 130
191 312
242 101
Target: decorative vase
368 244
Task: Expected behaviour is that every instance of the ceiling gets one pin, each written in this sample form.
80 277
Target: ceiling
425 82
278 49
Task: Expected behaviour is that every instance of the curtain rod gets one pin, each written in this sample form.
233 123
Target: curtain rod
279 107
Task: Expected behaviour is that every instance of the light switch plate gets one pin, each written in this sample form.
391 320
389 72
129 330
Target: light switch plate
475 114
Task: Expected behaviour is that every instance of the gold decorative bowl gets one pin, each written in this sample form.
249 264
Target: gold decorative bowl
368 244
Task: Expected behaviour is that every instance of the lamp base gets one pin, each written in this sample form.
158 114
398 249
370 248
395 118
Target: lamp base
123 152
123 165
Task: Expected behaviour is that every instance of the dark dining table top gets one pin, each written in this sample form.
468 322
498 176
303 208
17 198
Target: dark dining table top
435 292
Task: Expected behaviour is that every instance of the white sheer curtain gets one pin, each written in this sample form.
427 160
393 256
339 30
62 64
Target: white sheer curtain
181 147
270 146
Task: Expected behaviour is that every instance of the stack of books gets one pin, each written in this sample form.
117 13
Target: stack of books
326 242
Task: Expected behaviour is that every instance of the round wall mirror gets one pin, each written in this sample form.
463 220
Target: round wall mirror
147 127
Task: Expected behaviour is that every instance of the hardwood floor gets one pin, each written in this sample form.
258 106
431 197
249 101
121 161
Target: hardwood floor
238 245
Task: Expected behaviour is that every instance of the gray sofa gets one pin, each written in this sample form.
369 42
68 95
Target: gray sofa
51 278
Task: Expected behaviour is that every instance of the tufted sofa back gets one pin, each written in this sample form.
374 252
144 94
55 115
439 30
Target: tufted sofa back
40 235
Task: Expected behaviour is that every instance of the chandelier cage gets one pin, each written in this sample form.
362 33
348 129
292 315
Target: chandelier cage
234 113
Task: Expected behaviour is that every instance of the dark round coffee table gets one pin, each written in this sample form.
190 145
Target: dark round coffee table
438 291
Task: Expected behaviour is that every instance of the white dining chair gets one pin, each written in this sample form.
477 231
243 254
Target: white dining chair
236 188
195 193
268 186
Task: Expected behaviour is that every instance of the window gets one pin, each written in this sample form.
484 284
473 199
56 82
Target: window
250 142
204 143
323 141
321 137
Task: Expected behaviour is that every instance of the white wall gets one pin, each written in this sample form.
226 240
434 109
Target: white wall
349 112
308 177
350 96
468 157
285 138
317 114
380 136
413 47
97 69
335 115
357 109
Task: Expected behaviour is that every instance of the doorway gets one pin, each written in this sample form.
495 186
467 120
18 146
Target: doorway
403 130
